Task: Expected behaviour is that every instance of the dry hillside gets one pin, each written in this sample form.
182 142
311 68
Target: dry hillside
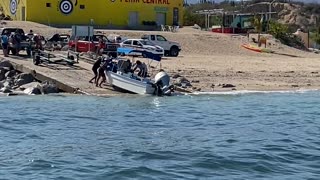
296 14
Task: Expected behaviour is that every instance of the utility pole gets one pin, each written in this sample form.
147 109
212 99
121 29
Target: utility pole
270 4
270 11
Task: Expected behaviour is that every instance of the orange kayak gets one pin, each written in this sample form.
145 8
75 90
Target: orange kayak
252 48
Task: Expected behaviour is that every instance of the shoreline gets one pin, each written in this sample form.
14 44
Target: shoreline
213 93
246 78
207 60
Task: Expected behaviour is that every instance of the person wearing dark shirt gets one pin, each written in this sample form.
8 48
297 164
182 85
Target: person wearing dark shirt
17 41
95 68
105 66
30 35
143 71
5 43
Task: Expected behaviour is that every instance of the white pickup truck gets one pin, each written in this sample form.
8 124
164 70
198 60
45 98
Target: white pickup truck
170 48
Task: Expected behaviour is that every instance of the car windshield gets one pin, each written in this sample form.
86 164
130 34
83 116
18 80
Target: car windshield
12 30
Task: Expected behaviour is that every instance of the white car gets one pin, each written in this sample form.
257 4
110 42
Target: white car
171 48
143 44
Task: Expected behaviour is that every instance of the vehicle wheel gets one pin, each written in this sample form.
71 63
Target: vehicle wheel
36 59
174 51
166 53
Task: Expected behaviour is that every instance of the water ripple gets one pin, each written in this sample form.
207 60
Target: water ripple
218 136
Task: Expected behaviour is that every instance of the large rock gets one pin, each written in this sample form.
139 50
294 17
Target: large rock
228 86
6 65
10 74
48 88
8 83
182 81
30 85
32 91
2 74
6 89
33 88
23 78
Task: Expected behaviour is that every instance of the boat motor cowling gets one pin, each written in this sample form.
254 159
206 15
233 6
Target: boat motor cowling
162 82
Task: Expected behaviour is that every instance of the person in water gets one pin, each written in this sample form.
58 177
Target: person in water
95 68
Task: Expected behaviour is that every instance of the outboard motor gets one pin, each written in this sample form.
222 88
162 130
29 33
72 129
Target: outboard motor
162 84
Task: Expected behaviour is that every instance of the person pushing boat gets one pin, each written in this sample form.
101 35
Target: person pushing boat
95 68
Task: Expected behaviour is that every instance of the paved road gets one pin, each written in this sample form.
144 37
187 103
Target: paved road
76 76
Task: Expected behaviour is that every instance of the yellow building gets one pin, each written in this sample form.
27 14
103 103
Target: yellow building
108 13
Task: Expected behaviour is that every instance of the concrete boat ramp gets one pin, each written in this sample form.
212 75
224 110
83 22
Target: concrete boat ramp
70 79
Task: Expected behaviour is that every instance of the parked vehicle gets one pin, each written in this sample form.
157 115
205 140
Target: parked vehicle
24 44
170 48
143 44
86 43
60 38
57 41
115 38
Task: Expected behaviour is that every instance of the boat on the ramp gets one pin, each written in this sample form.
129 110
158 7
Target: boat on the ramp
123 79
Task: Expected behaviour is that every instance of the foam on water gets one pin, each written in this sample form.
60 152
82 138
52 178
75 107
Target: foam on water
253 92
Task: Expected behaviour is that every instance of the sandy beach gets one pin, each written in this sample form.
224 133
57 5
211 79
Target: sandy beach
209 60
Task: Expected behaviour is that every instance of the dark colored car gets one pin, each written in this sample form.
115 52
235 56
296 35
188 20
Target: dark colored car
24 44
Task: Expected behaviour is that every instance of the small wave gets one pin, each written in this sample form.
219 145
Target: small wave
140 172
253 92
38 164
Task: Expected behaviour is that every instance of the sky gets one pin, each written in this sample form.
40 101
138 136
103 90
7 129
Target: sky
194 1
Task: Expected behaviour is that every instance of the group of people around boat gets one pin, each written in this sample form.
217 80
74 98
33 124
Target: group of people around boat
104 64
16 38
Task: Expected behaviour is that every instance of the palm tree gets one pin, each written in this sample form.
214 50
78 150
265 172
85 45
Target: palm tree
258 23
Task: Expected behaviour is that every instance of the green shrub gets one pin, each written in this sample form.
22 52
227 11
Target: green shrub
280 32
316 36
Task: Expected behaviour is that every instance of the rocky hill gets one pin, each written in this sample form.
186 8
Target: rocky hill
295 14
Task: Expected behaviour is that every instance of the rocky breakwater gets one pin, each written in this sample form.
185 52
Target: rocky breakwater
13 82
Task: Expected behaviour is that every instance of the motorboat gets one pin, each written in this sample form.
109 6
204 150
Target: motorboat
124 79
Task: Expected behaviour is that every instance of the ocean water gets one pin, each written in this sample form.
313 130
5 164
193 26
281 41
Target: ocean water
217 136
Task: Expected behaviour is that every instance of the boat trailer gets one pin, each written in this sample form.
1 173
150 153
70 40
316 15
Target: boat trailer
40 56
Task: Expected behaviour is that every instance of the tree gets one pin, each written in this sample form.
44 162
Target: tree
278 30
258 24
316 36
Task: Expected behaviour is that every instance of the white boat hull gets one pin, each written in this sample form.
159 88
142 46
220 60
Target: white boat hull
129 84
